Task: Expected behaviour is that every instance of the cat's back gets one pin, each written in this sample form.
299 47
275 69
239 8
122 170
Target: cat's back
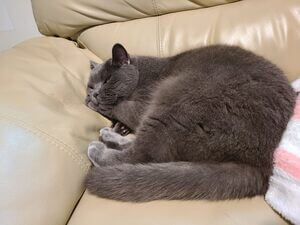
237 96
229 70
224 61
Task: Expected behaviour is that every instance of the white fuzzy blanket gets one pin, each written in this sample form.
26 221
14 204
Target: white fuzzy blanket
283 194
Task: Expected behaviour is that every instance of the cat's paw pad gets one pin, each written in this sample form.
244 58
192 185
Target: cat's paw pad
95 150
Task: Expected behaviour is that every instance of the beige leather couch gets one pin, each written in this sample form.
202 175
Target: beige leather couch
45 127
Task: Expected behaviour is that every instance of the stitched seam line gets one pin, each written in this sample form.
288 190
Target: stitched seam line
155 8
72 75
63 66
158 36
50 139
159 31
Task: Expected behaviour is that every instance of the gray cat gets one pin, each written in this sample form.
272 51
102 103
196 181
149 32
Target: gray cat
207 122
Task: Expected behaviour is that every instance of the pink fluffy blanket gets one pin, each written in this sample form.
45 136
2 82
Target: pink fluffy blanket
283 194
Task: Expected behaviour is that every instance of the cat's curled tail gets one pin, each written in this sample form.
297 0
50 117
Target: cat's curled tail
176 180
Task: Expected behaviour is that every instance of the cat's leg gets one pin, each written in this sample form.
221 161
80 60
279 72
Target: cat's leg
93 152
107 154
169 131
100 155
153 143
129 113
114 140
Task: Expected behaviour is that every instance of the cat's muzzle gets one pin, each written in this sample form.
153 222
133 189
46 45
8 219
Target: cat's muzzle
92 103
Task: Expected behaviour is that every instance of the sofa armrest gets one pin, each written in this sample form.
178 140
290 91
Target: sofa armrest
44 131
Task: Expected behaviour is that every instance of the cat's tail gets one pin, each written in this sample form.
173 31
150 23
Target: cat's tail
176 180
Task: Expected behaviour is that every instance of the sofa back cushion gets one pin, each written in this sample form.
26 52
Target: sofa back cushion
166 27
67 18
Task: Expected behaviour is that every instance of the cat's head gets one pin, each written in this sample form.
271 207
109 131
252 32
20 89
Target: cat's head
112 81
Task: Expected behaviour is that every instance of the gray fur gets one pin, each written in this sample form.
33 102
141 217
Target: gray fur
93 154
114 140
207 122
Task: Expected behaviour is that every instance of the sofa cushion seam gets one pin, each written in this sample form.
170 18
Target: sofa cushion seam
155 9
47 137
63 66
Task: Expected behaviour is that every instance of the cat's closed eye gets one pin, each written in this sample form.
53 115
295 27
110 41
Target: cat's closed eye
106 80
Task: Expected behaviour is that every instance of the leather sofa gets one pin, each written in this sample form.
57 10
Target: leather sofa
45 127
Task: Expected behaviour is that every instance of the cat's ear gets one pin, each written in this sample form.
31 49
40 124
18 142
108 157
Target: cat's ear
93 64
119 55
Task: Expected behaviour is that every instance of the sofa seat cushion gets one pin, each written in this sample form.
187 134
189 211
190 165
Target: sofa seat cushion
95 211
44 131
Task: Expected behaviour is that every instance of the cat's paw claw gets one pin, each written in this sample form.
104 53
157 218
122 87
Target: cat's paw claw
124 130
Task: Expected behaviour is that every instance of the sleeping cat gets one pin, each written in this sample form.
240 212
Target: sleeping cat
207 122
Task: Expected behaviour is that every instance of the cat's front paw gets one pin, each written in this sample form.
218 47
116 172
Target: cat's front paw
114 140
95 151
